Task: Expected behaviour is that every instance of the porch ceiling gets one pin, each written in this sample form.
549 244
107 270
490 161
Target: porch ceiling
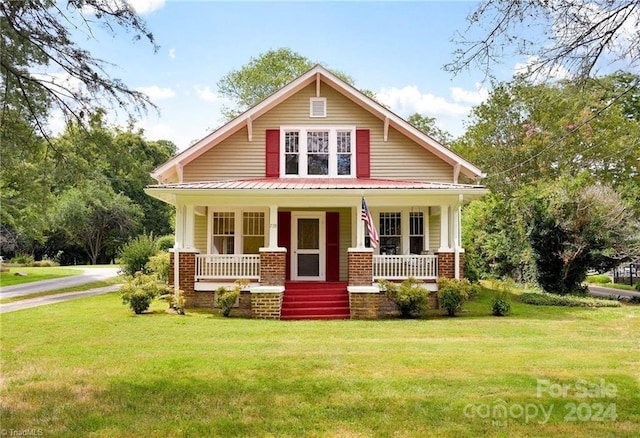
316 187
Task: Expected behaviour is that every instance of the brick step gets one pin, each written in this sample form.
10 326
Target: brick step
315 317
290 285
314 304
313 294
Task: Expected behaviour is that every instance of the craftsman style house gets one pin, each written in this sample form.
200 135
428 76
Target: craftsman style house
275 197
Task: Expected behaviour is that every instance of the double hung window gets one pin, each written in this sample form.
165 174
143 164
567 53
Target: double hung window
317 152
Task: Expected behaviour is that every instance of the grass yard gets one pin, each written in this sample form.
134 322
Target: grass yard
91 367
34 274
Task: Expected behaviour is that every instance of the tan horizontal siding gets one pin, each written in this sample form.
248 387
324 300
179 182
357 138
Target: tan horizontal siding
434 233
397 158
200 237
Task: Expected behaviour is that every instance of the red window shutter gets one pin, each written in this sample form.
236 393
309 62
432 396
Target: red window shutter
333 246
363 154
272 162
284 237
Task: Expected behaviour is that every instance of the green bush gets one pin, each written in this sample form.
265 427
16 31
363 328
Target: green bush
22 259
44 263
140 290
500 304
452 293
165 243
159 264
226 298
134 256
410 297
546 299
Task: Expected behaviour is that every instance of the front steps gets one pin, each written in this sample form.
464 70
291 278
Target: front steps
310 300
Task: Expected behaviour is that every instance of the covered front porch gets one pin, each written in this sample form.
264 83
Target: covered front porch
275 236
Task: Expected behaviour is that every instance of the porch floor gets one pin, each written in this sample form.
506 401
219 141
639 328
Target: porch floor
311 300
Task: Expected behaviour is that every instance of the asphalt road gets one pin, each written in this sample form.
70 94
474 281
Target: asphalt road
57 298
600 291
89 275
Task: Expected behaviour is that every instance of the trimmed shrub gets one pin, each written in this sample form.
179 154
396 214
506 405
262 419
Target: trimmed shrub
159 265
135 255
140 290
546 299
453 293
226 298
410 297
176 301
165 243
500 304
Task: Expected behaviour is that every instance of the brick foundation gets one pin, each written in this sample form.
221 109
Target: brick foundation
364 305
266 305
187 266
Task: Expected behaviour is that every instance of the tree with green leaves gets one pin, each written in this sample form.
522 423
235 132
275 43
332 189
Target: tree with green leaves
577 226
263 76
428 125
96 218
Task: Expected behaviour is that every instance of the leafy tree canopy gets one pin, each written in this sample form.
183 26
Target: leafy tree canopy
428 125
263 76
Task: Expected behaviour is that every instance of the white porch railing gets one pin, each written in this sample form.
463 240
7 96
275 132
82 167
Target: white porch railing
228 266
400 267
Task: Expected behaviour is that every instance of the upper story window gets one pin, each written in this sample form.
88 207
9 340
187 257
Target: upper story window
315 152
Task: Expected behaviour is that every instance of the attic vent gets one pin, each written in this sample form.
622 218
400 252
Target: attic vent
318 107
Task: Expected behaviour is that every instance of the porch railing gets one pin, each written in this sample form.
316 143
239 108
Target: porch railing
400 267
227 266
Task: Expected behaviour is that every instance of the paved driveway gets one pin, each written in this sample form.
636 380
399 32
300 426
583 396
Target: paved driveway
600 291
88 275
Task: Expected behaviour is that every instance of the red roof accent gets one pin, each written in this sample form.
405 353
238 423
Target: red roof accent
312 184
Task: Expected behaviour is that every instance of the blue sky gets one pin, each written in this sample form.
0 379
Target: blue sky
396 49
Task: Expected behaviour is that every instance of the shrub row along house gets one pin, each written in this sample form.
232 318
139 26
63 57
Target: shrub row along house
275 196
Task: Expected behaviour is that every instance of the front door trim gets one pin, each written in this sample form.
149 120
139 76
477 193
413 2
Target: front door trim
321 251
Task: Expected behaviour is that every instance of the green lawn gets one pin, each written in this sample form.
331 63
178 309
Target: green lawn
34 274
91 367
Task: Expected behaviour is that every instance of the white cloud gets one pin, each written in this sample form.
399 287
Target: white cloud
157 93
548 72
206 94
408 100
146 6
450 112
172 53
470 97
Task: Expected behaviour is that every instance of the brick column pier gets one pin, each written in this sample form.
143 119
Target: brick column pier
186 276
266 299
364 298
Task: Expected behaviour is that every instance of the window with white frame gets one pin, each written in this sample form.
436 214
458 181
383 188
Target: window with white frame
223 232
390 232
416 232
252 232
292 152
317 151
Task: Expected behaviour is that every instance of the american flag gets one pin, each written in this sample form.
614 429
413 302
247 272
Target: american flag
373 234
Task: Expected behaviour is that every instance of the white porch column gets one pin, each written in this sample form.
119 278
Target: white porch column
273 226
189 227
179 238
360 227
444 229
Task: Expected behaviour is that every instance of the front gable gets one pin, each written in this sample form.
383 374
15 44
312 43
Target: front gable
393 148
